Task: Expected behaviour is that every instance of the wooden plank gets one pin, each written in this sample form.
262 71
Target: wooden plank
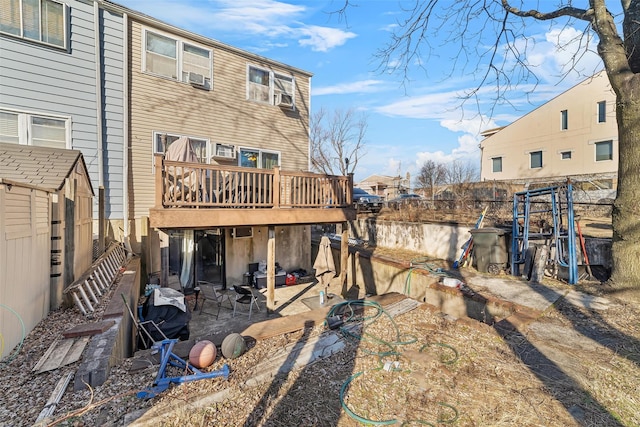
53 356
88 329
75 352
61 353
282 325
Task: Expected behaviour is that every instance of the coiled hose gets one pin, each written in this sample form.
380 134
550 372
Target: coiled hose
348 311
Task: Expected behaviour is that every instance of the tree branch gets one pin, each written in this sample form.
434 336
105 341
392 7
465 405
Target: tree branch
574 12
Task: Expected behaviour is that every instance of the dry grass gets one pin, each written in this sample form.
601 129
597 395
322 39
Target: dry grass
573 366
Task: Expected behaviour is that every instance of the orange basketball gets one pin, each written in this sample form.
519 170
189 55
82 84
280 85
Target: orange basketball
202 354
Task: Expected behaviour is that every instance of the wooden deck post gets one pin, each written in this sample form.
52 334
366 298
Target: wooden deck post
276 187
344 257
271 269
158 180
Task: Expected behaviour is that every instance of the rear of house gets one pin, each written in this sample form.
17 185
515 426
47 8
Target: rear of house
62 85
236 112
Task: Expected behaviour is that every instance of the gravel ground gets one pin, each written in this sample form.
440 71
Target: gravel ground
448 373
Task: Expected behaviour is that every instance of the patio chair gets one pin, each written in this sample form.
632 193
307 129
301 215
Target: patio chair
143 328
208 292
244 295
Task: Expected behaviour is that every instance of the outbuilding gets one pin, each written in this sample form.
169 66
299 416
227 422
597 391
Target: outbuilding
46 233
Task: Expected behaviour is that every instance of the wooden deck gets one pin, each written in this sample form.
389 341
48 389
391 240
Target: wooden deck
192 195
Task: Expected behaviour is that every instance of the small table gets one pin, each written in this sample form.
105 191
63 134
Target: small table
314 301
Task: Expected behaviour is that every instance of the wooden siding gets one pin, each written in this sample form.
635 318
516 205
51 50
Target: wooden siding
24 260
39 79
223 115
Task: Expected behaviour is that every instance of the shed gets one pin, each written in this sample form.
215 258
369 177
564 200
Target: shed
46 237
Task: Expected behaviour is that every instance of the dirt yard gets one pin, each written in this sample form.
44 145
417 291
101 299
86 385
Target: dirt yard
570 367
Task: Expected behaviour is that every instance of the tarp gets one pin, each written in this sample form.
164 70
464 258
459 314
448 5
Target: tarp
181 150
184 182
171 317
324 265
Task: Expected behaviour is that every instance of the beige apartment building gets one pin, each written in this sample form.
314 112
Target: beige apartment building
575 134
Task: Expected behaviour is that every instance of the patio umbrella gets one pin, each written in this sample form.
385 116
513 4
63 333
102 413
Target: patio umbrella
324 265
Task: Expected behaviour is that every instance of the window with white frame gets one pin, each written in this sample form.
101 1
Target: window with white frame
496 164
535 158
176 59
33 129
604 150
255 158
269 87
43 21
565 155
200 146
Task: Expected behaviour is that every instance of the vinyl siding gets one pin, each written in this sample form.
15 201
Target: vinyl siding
24 261
223 115
112 75
42 80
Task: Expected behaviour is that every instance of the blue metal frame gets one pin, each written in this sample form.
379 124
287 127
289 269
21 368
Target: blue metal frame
564 235
167 357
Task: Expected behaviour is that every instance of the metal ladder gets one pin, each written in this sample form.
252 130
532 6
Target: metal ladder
87 291
557 206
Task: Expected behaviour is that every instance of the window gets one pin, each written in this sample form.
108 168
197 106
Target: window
254 158
604 150
44 21
602 111
30 129
269 87
200 145
564 119
175 59
226 151
565 155
497 164
242 232
536 159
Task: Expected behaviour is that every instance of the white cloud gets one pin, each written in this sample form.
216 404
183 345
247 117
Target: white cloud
273 21
362 86
323 39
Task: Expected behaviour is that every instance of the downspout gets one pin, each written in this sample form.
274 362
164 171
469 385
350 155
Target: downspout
98 60
125 132
309 130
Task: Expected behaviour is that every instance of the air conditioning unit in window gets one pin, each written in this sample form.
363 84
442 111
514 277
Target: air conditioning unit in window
196 79
284 100
225 151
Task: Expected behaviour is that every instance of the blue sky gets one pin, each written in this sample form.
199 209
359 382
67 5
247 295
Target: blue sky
408 123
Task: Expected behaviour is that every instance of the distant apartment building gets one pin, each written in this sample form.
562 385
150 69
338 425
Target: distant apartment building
573 135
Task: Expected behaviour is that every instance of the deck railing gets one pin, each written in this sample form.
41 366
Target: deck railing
200 185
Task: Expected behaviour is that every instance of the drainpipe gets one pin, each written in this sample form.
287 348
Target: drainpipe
125 132
98 61
309 130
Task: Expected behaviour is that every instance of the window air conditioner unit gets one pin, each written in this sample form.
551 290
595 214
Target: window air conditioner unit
284 100
225 151
196 79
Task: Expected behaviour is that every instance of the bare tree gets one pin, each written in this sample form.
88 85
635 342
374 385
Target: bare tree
461 172
492 50
337 141
431 175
